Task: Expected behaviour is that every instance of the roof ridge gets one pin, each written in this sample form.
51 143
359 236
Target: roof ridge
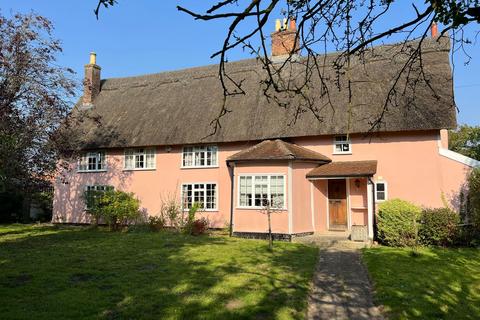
284 146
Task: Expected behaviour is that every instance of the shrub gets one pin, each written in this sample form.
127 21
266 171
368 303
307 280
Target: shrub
397 223
116 208
189 224
199 226
156 223
171 212
474 197
438 227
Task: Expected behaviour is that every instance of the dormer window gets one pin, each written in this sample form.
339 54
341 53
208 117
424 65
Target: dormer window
342 145
92 162
200 156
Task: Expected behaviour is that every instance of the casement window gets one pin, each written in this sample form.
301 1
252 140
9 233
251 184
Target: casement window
380 191
203 193
200 156
256 191
140 159
92 192
92 161
342 144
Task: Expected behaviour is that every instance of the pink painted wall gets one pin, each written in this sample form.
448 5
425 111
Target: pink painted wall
358 201
409 162
302 207
320 199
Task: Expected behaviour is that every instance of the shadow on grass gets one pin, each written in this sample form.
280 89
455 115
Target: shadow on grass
437 284
95 274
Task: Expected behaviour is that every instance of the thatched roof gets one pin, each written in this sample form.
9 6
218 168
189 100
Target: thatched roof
175 108
277 150
365 168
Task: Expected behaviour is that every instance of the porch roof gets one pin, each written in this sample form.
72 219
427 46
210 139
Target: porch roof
277 150
365 168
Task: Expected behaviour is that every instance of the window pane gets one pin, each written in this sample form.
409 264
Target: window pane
187 156
211 196
139 160
150 158
261 191
380 195
187 196
380 187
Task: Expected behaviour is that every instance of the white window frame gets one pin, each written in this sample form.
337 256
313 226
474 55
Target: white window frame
193 166
204 195
136 152
285 200
348 141
386 191
99 155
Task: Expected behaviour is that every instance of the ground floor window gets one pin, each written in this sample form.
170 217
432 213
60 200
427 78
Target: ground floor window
256 191
380 191
203 193
92 192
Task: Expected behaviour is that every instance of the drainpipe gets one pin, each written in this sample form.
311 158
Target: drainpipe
231 174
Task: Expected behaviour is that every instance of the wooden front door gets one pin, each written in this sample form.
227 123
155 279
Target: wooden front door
337 203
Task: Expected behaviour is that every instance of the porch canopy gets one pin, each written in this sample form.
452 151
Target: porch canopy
278 150
344 169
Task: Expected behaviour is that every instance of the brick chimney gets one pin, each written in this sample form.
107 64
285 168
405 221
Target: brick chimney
91 82
284 39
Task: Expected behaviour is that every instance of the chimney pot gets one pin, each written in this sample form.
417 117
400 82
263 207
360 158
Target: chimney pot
93 58
293 25
434 30
91 82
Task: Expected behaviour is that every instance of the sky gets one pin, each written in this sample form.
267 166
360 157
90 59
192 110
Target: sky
146 36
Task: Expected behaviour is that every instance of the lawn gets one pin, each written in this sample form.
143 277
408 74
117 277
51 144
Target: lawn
51 272
438 284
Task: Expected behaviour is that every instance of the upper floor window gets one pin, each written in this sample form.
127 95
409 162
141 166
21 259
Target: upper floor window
204 194
342 144
140 158
380 191
92 161
200 156
257 191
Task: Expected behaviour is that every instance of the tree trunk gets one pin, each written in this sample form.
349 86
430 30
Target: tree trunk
270 238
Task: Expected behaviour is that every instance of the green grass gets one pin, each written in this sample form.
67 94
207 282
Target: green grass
51 272
437 284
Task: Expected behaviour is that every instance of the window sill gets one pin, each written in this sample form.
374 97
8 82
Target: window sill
341 153
199 167
91 171
204 210
260 208
140 169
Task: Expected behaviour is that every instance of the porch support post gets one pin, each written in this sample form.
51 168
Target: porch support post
290 197
370 212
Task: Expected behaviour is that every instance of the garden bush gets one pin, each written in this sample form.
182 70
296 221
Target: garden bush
199 226
156 223
397 223
116 208
438 227
189 224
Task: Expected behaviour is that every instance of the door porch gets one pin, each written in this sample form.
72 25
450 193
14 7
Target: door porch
342 198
